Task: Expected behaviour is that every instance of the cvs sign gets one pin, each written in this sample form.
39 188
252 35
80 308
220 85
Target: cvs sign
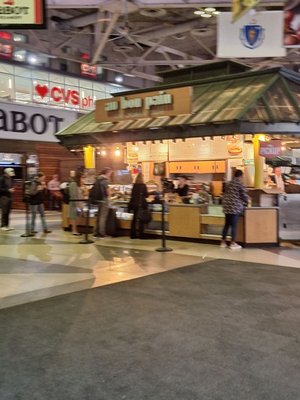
61 95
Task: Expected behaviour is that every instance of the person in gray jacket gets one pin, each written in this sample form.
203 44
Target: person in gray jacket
235 199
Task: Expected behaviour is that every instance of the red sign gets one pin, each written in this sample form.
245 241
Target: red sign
88 70
68 96
270 149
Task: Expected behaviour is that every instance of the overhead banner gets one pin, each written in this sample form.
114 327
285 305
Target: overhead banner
251 37
22 14
240 7
292 23
270 149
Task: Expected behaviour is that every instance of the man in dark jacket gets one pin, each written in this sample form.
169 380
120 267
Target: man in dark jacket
101 197
6 192
36 202
234 200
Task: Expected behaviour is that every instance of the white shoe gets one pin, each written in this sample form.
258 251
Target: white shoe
223 245
235 246
7 228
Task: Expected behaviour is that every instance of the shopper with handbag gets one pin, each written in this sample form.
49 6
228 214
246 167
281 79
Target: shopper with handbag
138 204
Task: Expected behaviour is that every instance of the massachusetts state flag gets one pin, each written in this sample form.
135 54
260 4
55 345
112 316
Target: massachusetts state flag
258 36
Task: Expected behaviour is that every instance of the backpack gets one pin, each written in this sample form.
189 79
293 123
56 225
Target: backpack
96 192
30 189
66 194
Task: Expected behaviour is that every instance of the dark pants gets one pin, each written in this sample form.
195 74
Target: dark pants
231 221
5 204
137 226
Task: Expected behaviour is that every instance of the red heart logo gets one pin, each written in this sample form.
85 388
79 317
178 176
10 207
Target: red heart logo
41 90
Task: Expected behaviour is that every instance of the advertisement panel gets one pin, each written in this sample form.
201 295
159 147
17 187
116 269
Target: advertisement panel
292 23
22 14
270 149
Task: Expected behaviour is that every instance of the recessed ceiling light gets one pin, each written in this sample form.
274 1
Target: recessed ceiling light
206 15
216 12
198 12
209 9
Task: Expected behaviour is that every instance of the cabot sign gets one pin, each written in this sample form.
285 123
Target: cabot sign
170 102
270 149
21 14
32 123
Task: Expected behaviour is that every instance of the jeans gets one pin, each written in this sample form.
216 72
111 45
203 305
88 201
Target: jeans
231 221
34 208
137 226
103 208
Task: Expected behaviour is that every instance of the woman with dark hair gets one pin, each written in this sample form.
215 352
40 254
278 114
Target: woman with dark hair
74 194
138 201
235 199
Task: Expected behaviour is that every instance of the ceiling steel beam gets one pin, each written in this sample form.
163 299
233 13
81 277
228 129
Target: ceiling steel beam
103 41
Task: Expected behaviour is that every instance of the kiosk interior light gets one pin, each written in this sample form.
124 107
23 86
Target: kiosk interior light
103 152
117 152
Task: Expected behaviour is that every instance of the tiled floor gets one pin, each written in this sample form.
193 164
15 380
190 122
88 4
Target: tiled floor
48 265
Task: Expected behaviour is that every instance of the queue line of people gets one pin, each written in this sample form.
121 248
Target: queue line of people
235 199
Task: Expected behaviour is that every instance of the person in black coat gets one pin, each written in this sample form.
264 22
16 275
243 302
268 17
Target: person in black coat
138 201
6 192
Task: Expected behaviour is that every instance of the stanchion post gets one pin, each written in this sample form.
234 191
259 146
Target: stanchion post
163 247
28 232
86 239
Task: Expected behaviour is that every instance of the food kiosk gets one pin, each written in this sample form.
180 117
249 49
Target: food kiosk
203 129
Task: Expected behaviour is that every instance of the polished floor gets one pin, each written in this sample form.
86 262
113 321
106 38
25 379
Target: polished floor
47 265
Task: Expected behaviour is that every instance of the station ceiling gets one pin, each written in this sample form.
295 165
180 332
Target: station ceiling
139 38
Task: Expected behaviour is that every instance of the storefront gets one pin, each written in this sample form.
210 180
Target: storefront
203 129
34 105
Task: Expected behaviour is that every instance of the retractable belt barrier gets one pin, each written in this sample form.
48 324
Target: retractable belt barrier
85 239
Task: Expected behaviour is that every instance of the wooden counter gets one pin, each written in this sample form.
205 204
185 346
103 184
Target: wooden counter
258 225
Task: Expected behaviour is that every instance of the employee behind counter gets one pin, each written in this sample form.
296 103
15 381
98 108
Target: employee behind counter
182 188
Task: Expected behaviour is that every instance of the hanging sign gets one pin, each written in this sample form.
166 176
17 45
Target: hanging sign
22 14
259 36
169 102
270 149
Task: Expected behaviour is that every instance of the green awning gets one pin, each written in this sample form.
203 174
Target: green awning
262 96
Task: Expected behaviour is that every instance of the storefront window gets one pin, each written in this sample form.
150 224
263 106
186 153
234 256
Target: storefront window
23 91
56 78
34 86
6 86
22 72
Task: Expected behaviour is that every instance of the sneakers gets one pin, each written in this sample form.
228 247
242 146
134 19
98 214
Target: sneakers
235 246
223 244
46 231
76 234
6 228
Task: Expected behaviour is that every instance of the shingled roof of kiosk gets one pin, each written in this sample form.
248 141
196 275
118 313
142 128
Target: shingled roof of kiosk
270 96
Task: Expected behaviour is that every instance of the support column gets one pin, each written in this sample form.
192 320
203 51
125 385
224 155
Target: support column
89 157
258 162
